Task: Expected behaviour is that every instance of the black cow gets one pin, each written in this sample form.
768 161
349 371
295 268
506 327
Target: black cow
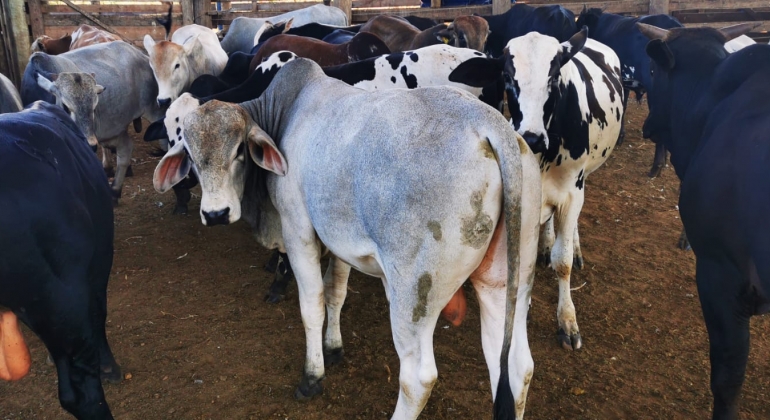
521 19
622 35
340 36
711 110
236 72
56 225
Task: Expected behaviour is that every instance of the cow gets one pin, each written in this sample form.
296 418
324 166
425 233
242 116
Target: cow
236 72
115 71
621 34
711 108
284 160
361 46
339 36
56 222
87 35
51 46
240 34
310 30
10 101
521 19
399 35
193 50
566 100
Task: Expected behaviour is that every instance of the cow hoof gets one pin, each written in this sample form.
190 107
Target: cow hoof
272 297
544 260
308 389
180 209
569 342
621 139
158 152
333 356
110 172
577 262
111 374
129 171
655 171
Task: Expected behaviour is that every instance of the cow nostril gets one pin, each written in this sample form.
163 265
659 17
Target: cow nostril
218 217
164 102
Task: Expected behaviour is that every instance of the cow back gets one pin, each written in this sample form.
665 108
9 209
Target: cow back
10 101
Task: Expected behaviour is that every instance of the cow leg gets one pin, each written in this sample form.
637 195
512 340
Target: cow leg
565 222
124 147
272 263
283 276
659 161
72 345
109 170
183 197
720 288
545 245
622 135
577 260
335 291
101 265
305 254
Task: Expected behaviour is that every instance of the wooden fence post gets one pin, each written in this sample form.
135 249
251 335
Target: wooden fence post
36 18
346 6
19 37
659 7
202 8
188 12
500 6
436 4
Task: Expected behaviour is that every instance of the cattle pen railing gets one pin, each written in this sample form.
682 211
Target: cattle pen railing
21 21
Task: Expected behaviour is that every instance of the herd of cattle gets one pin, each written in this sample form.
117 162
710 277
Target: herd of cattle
383 145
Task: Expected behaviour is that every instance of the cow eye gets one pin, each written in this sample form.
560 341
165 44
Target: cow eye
239 154
177 66
66 109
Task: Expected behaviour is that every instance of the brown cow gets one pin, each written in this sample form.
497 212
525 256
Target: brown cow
51 46
89 35
468 32
363 45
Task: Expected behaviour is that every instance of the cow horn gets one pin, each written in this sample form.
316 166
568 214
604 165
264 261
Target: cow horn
652 32
735 31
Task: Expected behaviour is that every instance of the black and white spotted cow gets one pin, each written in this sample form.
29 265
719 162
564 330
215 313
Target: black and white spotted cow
566 100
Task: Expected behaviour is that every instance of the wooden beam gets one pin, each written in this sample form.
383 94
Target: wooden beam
725 16
188 12
14 12
346 6
444 13
36 18
93 19
201 8
436 4
717 4
500 6
111 8
109 21
659 7
764 25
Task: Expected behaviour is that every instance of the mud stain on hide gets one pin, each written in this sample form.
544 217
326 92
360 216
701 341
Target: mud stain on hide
475 229
486 150
424 284
435 229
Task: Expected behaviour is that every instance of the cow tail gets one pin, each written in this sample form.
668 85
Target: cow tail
166 22
508 152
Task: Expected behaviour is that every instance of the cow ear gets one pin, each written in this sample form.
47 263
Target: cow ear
46 84
659 52
446 36
264 152
573 45
192 44
148 43
287 25
478 72
156 131
172 169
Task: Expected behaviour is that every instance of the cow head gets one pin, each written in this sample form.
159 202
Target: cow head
466 32
218 136
532 72
678 57
172 65
77 94
269 30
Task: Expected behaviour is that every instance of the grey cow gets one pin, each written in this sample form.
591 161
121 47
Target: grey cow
10 101
104 87
240 34
404 190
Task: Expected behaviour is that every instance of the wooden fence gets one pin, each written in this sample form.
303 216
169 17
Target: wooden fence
21 21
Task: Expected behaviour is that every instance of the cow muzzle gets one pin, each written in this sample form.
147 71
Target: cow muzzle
164 102
217 217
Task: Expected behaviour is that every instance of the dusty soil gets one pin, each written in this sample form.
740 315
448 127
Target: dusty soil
196 341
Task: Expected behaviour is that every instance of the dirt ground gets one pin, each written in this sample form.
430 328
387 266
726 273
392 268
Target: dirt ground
188 324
